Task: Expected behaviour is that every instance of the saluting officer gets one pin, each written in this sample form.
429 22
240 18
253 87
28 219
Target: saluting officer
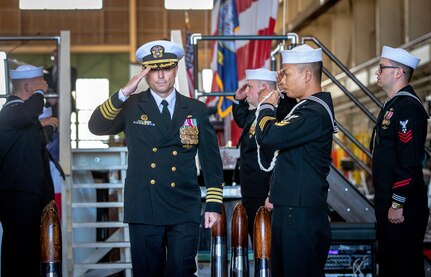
164 132
300 229
398 150
254 181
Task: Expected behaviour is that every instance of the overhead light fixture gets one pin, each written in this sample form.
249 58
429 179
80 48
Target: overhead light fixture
189 4
61 4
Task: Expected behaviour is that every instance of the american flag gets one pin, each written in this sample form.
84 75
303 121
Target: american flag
189 59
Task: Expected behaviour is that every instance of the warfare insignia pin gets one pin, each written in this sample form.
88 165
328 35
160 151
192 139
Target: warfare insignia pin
144 121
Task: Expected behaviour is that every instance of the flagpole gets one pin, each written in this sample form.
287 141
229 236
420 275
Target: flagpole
187 19
284 18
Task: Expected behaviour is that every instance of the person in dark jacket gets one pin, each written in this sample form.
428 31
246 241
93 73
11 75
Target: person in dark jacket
398 147
52 78
298 190
164 131
25 180
253 179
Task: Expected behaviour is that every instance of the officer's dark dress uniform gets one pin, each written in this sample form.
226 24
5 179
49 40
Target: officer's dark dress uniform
254 181
25 184
300 229
161 187
398 152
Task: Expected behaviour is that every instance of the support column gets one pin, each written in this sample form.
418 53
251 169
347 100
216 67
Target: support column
389 23
132 30
363 31
418 18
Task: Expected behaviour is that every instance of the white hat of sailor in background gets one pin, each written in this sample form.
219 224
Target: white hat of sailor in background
159 54
261 74
301 54
400 56
26 71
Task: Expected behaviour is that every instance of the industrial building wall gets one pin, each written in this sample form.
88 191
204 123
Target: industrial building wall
356 30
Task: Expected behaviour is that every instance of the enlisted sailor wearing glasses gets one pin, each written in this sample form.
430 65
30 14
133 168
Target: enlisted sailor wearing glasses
398 151
164 131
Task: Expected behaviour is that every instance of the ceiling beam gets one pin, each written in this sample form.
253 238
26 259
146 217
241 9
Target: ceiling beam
46 49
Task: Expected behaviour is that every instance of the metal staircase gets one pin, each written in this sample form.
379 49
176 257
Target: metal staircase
88 253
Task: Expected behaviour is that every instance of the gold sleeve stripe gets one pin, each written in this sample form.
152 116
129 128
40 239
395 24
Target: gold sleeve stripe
110 107
108 110
109 113
209 193
105 113
215 199
264 120
214 194
220 190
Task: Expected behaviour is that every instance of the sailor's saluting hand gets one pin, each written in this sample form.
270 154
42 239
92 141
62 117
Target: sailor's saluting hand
269 97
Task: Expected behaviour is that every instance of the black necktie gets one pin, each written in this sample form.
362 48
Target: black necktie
166 115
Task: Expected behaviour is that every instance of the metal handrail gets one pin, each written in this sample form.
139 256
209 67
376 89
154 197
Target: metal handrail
356 159
354 140
195 38
357 82
344 69
349 95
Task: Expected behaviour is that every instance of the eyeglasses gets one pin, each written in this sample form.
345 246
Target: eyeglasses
381 67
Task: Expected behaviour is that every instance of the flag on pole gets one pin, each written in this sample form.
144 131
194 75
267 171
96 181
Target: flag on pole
189 58
255 17
226 76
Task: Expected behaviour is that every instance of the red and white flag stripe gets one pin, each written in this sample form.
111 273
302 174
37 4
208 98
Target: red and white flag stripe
256 17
